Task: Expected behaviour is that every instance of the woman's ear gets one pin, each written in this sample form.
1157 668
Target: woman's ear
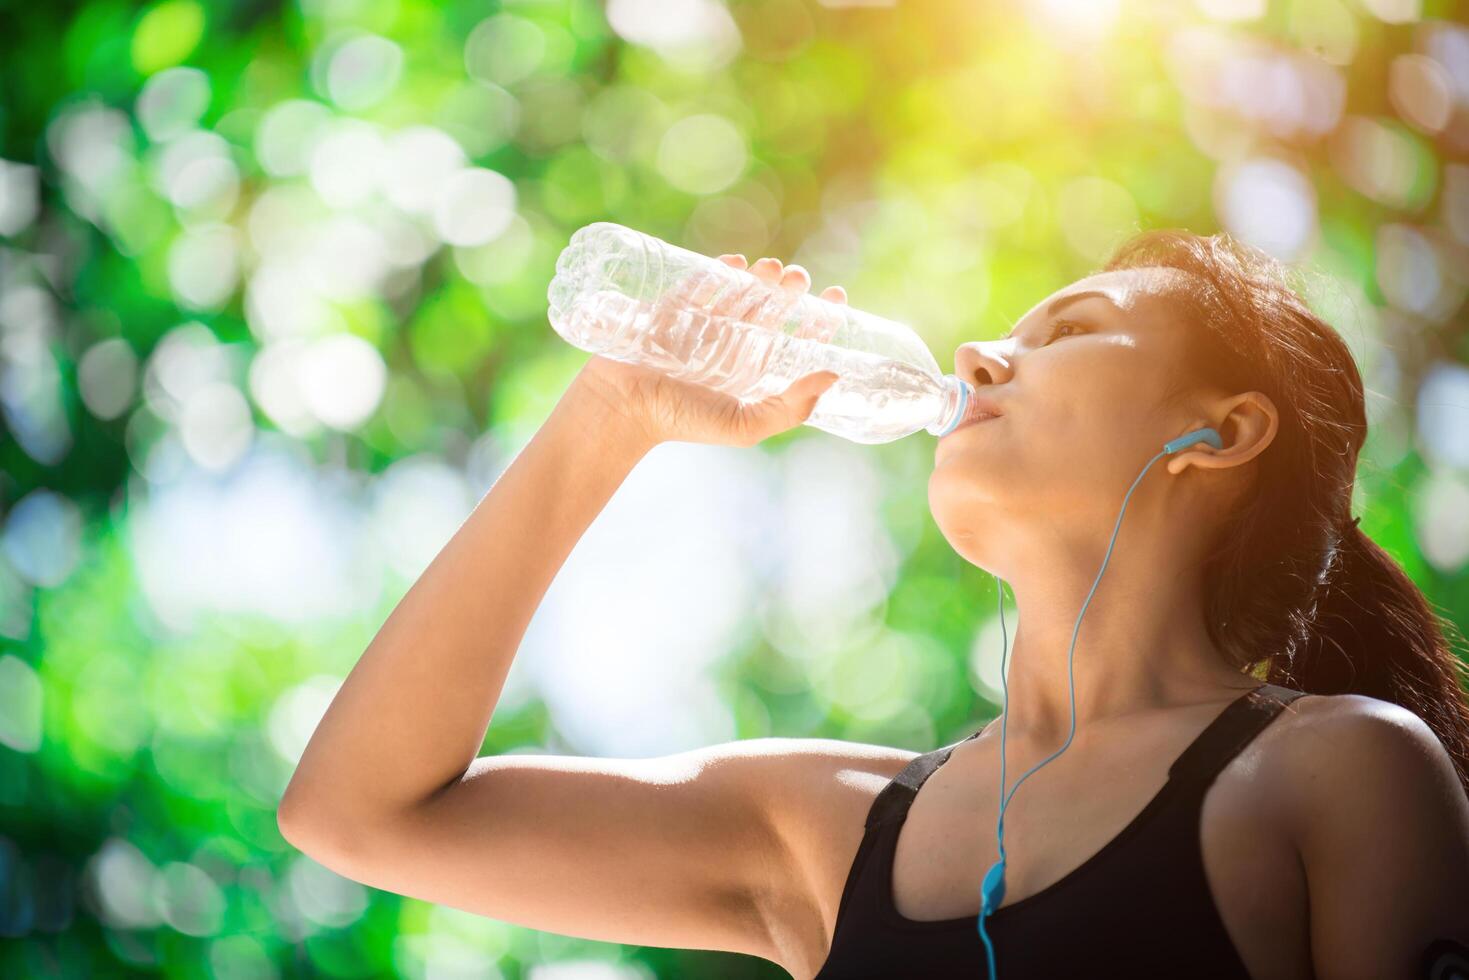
1249 422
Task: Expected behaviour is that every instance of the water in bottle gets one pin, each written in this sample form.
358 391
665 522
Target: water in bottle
635 298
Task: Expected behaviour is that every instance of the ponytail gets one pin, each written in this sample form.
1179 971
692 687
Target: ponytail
1374 633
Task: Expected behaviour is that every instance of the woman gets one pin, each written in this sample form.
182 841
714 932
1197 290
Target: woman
1198 824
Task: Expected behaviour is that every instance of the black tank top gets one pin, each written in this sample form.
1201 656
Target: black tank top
1138 907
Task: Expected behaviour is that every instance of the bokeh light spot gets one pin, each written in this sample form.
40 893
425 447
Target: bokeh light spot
624 123
215 426
42 538
1455 200
297 712
361 71
20 196
341 380
172 102
502 260
1395 11
474 206
198 174
1443 414
418 503
1441 512
1421 91
1269 204
702 154
107 375
204 267
1384 161
20 705
276 389
273 537
1231 10
240 958
122 878
1409 270
693 35
1074 21
323 896
1448 43
418 162
343 163
167 34
479 117
503 49
1326 28
287 135
1095 215
190 900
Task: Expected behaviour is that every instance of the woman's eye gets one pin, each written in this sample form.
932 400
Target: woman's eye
1061 325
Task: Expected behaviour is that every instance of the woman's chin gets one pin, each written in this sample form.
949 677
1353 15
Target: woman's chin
968 543
957 509
955 477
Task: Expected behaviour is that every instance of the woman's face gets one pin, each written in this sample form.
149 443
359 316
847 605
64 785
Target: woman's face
1082 383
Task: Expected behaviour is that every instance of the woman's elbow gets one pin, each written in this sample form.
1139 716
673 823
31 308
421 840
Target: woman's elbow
335 836
295 820
308 824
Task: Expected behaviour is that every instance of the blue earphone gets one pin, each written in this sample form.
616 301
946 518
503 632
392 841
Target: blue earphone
993 889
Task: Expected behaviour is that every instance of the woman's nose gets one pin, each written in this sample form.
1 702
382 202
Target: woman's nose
983 362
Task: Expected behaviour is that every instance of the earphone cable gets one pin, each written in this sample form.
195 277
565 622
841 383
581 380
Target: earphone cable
993 888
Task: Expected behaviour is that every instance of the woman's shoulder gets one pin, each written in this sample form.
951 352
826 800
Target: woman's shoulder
1314 727
1377 809
823 774
1326 717
1325 749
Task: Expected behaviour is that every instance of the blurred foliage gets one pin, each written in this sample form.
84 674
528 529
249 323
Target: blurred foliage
272 316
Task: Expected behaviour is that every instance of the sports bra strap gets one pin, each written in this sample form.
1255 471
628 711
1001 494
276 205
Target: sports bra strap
1229 733
1214 747
897 795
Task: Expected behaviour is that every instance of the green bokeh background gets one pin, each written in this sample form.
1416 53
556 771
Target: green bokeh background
247 329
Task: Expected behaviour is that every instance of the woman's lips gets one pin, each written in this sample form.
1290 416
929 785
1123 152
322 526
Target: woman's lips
974 421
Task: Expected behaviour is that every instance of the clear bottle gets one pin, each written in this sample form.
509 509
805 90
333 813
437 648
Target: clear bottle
629 296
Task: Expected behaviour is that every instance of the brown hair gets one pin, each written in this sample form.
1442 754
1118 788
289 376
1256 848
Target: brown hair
1298 595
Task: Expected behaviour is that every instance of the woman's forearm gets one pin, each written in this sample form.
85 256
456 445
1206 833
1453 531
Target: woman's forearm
412 714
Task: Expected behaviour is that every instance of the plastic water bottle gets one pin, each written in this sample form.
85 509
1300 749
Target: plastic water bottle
635 298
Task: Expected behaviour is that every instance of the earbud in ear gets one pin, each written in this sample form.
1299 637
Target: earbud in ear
1209 436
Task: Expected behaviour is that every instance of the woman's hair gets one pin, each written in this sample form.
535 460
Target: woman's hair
1298 595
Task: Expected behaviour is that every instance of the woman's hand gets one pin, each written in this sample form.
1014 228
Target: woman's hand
665 409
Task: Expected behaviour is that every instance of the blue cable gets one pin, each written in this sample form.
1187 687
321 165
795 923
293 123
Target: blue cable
993 889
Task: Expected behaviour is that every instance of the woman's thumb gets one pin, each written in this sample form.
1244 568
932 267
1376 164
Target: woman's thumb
803 393
777 413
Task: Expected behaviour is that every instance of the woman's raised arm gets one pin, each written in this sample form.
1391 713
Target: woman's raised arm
389 790
412 714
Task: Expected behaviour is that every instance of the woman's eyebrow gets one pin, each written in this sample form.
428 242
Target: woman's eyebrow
1061 302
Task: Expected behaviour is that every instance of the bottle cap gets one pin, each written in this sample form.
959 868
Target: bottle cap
959 406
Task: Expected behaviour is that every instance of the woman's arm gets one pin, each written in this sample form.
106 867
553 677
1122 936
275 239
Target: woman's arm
413 712
1382 824
685 850
682 850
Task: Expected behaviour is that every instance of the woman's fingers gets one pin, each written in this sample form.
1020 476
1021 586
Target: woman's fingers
793 277
767 269
796 277
743 304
